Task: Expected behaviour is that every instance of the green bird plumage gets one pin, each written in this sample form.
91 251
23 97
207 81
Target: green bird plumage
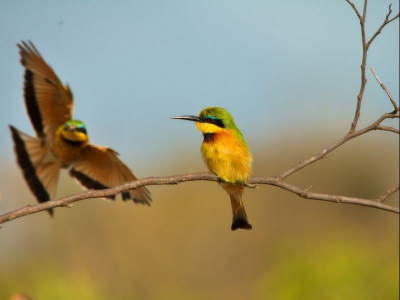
226 154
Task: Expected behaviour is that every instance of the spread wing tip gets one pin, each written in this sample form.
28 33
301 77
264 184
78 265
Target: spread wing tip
28 47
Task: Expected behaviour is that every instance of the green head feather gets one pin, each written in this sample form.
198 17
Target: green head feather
75 123
219 113
74 131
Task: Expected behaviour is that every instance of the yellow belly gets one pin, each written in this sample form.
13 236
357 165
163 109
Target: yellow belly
227 157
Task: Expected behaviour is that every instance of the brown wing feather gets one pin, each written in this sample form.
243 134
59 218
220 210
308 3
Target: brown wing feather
49 103
99 168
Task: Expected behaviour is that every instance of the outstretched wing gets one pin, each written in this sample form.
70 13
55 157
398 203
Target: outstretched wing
49 103
99 168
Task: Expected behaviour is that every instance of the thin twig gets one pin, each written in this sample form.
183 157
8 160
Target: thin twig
387 128
347 137
363 64
387 194
68 200
385 22
365 9
355 9
396 108
325 197
365 47
353 133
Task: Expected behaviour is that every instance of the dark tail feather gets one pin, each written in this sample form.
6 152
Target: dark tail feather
239 219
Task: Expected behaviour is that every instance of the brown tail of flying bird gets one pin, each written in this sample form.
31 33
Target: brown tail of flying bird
40 172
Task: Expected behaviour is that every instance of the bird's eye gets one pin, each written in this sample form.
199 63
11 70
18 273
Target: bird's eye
211 120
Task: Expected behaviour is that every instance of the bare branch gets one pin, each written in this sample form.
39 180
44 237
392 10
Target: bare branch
387 194
396 108
365 47
68 200
363 64
365 9
387 21
387 128
347 137
325 197
355 9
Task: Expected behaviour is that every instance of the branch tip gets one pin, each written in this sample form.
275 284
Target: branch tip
396 108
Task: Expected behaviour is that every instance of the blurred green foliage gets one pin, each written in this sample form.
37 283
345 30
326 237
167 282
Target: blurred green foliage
182 247
346 270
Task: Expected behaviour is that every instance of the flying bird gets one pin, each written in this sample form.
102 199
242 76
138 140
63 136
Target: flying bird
60 141
226 154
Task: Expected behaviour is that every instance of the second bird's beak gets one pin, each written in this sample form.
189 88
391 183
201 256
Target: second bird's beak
188 118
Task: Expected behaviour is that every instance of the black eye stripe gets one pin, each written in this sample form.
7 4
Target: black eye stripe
78 129
215 121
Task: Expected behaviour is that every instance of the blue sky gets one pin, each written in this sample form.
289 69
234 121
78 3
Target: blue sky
277 66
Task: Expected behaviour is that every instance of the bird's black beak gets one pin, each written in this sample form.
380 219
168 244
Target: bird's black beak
188 118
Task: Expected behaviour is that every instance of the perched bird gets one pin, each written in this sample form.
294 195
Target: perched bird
61 142
226 155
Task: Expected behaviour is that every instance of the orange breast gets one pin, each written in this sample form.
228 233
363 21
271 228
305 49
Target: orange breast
227 156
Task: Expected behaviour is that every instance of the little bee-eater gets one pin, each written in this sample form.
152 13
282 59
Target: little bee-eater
226 155
61 142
